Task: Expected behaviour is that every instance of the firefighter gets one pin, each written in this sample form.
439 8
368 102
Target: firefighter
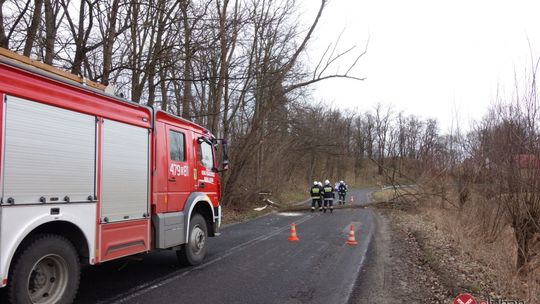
329 196
342 192
321 197
315 192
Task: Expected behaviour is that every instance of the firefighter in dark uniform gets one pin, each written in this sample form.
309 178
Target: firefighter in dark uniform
322 195
342 192
329 196
315 192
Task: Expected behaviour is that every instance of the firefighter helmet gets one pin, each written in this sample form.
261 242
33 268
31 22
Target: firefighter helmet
327 182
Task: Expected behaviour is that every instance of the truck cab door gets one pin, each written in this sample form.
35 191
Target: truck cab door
207 180
180 182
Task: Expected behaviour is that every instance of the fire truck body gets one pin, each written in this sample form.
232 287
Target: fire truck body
98 175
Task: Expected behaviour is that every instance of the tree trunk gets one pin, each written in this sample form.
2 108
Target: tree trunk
151 88
214 117
3 38
188 74
32 30
163 86
50 32
524 234
109 43
82 35
79 42
136 88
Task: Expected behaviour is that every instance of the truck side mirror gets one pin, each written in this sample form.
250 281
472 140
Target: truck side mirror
202 139
225 157
224 168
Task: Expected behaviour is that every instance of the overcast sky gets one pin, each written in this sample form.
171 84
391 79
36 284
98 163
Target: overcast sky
426 57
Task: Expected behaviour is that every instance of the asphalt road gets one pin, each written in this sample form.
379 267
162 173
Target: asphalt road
250 262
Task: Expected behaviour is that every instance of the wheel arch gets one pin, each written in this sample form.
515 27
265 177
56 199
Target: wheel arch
59 271
200 203
204 208
63 228
18 224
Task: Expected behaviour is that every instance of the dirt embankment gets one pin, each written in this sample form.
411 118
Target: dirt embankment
397 269
414 260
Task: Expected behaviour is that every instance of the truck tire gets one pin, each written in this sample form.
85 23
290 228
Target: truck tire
192 253
47 271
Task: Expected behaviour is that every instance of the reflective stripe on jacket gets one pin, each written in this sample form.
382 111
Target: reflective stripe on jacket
315 192
328 191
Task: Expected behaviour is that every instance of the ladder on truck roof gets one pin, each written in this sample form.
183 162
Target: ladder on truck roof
30 63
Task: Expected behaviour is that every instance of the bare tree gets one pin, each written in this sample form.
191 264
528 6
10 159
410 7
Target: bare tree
235 67
33 28
80 31
383 120
511 150
52 23
4 42
11 24
112 23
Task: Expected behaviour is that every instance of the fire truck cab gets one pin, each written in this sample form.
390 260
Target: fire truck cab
87 177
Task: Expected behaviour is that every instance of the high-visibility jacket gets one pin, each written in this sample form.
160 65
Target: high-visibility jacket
315 192
328 191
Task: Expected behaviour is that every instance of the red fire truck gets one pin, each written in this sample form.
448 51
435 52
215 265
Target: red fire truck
87 177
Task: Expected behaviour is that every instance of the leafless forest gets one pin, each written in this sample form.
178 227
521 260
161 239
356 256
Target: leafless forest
240 69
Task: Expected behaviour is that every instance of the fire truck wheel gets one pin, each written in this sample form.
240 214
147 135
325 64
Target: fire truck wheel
46 272
194 251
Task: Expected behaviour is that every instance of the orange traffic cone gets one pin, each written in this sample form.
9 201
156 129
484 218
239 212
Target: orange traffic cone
351 241
293 237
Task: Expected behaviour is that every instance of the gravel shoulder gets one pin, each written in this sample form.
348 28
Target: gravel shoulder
411 261
396 270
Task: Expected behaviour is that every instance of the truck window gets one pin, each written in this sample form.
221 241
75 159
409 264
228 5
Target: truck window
176 146
206 155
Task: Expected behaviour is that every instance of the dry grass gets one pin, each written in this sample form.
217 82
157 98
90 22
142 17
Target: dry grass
232 216
498 254
292 197
382 195
399 198
470 230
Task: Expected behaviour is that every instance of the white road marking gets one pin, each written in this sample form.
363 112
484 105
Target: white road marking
290 214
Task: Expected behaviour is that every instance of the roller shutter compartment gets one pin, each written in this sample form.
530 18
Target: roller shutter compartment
49 154
124 172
